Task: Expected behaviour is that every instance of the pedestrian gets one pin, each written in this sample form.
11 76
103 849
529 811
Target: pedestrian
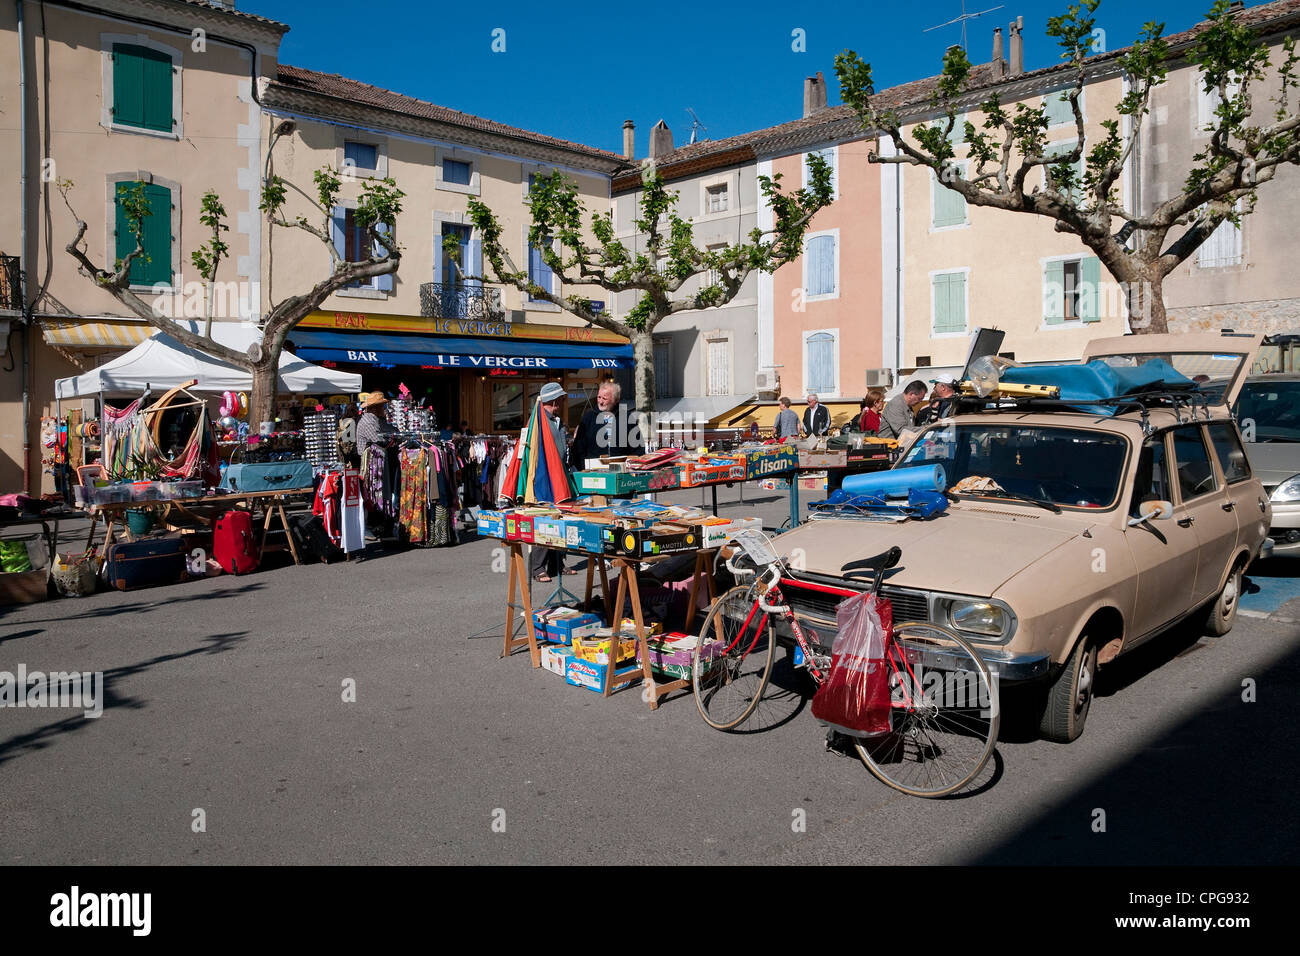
896 416
372 428
816 417
943 400
606 429
787 422
545 563
872 406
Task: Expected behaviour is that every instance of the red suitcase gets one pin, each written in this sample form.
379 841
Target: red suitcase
233 544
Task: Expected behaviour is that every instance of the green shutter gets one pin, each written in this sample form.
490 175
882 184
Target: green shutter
1054 292
1090 290
157 236
950 302
949 205
142 87
958 135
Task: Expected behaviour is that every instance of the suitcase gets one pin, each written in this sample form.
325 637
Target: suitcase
149 562
295 474
233 545
313 540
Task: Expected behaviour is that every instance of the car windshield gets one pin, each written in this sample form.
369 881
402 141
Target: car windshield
1065 467
1269 411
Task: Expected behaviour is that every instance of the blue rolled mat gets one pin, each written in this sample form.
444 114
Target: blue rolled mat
897 482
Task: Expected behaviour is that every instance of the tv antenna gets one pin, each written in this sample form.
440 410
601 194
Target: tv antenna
696 125
962 20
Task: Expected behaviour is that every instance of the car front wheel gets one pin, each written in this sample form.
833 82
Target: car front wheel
1222 614
1070 696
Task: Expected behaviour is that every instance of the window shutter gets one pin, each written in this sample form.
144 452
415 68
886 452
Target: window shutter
338 231
719 368
128 85
157 90
949 205
475 260
958 129
821 265
438 257
821 363
1090 290
1054 292
1058 108
950 302
158 235
383 283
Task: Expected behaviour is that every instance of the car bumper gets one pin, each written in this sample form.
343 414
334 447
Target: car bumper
1284 532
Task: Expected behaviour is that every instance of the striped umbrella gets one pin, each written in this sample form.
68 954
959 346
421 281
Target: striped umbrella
537 472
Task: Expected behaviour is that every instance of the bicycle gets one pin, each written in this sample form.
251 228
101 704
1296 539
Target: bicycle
941 736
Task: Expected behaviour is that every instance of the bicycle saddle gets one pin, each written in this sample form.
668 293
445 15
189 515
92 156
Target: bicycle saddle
876 564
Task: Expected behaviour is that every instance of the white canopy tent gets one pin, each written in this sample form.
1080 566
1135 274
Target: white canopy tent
162 362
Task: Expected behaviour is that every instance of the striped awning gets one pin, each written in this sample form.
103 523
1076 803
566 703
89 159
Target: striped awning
78 333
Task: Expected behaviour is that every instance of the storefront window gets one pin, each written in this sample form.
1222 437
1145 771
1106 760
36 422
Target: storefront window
512 402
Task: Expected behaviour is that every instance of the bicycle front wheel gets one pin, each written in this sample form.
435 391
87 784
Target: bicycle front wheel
729 685
945 714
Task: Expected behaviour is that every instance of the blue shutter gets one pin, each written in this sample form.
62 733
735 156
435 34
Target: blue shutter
383 283
338 220
1054 293
1057 106
476 263
438 255
821 363
361 155
1090 290
821 265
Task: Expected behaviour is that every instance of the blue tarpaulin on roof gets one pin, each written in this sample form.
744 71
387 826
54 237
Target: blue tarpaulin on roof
455 351
1085 384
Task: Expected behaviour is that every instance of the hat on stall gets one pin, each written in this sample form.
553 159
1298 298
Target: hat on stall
374 398
551 392
951 381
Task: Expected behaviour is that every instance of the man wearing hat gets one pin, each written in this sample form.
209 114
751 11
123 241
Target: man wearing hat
551 395
372 426
942 400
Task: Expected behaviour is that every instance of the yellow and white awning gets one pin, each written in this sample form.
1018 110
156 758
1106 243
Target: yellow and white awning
79 333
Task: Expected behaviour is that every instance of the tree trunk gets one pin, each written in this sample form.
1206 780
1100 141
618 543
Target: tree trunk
643 377
261 403
1145 296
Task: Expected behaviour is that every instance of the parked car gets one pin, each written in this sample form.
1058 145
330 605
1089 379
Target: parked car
1072 536
1268 413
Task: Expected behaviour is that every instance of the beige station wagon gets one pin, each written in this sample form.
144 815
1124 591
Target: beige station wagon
1077 532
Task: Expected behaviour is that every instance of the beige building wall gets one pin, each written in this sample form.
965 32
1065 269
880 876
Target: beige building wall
1003 256
215 144
296 260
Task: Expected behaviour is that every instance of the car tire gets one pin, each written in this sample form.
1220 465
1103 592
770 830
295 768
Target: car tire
1070 697
1222 612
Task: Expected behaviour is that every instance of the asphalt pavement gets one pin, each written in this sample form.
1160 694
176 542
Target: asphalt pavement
342 714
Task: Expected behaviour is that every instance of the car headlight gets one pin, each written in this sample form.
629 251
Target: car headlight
1289 490
978 618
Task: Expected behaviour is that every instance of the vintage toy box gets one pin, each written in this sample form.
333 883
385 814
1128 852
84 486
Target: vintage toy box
770 460
492 524
592 676
612 482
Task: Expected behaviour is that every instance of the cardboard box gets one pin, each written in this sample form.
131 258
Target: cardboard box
664 479
492 524
592 676
556 659
647 542
562 625
714 470
813 483
580 535
823 459
549 531
673 655
519 528
770 460
596 650
612 482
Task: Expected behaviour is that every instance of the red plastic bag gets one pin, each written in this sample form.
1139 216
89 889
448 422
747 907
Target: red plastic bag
854 699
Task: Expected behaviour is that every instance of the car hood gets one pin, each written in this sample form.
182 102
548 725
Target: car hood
959 551
1274 461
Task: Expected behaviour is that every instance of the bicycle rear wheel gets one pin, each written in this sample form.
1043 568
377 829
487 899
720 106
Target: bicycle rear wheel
945 714
729 687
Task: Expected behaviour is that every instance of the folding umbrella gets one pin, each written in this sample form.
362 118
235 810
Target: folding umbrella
537 471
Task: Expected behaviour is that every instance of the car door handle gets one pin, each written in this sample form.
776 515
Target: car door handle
1186 522
1228 506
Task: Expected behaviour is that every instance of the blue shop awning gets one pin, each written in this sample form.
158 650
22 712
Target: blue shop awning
455 352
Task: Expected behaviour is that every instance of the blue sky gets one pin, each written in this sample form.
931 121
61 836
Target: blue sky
578 70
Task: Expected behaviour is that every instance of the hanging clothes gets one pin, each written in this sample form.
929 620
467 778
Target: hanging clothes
413 511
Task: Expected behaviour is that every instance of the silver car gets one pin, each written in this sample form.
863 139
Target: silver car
1268 413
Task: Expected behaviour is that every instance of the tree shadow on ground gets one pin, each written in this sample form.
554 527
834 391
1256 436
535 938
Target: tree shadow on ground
96 611
112 697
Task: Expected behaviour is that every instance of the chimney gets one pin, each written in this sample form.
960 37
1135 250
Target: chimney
814 94
661 140
629 139
1016 32
999 64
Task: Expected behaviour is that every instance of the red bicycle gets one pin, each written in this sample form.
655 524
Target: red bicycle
944 713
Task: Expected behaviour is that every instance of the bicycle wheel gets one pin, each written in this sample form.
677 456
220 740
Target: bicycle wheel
945 714
729 687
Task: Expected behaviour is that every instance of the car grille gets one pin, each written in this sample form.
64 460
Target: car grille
908 605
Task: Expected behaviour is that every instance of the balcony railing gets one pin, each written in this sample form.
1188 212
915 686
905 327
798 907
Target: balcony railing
11 283
440 300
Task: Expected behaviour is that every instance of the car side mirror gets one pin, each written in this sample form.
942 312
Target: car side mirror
1148 510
